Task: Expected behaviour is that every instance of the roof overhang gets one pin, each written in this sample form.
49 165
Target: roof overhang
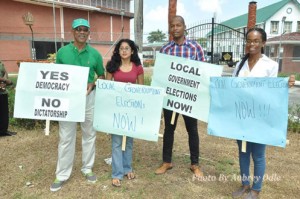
282 42
60 4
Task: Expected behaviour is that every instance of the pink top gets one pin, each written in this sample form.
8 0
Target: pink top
130 76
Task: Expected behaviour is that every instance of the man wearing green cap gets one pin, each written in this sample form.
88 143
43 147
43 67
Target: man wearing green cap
82 54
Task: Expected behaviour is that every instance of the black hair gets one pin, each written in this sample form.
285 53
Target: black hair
114 64
263 38
180 18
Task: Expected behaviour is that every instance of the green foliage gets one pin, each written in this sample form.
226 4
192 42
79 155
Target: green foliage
148 63
294 119
202 42
294 111
297 75
52 57
17 122
156 36
147 80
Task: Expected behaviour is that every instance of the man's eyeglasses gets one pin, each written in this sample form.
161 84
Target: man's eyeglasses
79 29
249 42
124 49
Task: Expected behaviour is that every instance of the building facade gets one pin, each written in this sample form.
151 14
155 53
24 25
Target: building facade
45 25
277 20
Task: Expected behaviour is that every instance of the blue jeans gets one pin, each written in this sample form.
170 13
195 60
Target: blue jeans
258 152
121 160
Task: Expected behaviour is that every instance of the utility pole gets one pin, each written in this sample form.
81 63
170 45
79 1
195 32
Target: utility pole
172 13
138 24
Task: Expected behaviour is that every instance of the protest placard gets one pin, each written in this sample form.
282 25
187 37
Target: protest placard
51 91
128 109
186 83
249 109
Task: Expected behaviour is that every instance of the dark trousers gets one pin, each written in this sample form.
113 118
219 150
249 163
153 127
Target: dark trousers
192 129
3 113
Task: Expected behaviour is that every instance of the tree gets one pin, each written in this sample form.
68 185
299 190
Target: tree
156 36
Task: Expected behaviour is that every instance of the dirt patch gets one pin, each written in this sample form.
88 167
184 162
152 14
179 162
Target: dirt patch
28 163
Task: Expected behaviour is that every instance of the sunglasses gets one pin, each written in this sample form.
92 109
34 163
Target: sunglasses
79 29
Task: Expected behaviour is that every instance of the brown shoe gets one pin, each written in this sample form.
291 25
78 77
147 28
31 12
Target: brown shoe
163 168
197 171
241 191
252 195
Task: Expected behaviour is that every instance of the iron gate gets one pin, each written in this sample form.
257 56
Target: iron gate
221 43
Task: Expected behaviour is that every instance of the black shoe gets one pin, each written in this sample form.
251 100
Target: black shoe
11 133
5 134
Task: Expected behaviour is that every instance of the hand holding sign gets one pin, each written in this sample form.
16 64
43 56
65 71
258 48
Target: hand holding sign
237 110
133 110
53 92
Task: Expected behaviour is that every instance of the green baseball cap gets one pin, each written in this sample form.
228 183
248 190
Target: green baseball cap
80 22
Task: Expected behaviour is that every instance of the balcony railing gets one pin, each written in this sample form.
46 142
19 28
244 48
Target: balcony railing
109 4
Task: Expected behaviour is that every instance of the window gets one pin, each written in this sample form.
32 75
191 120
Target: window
296 53
237 49
298 26
43 48
104 3
267 51
109 4
274 27
287 27
230 34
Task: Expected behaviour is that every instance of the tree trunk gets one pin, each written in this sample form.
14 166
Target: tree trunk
172 13
138 24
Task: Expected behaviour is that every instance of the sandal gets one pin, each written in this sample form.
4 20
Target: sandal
130 175
116 182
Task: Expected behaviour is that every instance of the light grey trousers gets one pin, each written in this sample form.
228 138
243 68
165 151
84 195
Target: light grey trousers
66 146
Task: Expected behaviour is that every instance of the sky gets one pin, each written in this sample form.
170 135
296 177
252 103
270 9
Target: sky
194 11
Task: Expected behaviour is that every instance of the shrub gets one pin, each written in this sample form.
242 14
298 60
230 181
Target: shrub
147 80
19 122
297 75
294 119
148 63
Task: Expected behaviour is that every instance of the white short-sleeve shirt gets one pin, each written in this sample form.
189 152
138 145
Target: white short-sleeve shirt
264 67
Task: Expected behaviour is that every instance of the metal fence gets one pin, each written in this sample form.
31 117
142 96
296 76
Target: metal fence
222 43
